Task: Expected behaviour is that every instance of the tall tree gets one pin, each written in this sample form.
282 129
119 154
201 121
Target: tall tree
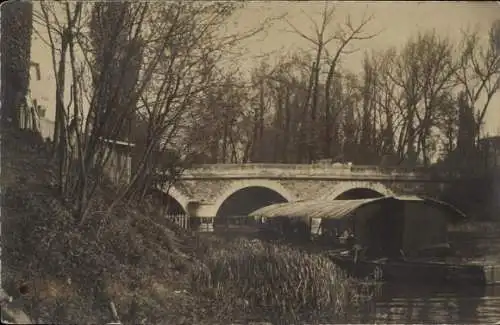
479 73
16 30
326 61
81 125
110 32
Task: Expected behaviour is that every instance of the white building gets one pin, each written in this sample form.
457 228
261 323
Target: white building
42 87
42 91
490 148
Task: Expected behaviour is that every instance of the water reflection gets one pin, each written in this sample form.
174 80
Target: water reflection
396 304
416 303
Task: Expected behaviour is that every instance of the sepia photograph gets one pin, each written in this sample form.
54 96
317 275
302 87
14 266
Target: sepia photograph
250 162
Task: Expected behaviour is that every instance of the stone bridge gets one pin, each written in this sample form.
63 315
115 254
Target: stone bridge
237 189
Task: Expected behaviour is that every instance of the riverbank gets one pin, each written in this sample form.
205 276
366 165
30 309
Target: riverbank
151 271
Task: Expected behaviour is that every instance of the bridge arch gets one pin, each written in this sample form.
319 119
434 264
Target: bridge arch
177 200
357 190
245 196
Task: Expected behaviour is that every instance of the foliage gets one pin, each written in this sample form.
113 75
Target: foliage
16 53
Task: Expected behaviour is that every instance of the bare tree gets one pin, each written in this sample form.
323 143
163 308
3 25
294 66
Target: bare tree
59 33
323 58
423 71
217 127
16 49
387 100
83 157
479 73
192 47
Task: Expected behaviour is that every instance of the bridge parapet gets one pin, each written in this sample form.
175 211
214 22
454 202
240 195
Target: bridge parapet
329 171
204 190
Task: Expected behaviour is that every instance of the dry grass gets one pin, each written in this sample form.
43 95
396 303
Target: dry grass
283 283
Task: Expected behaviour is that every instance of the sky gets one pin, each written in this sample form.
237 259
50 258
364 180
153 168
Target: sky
396 22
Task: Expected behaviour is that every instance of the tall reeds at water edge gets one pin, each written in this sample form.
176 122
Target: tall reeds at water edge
286 283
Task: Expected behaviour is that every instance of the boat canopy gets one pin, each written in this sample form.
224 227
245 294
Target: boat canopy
340 209
387 225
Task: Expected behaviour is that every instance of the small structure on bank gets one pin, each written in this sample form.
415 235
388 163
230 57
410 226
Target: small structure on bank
119 165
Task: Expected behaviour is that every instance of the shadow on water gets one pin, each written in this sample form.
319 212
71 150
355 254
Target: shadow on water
404 304
417 303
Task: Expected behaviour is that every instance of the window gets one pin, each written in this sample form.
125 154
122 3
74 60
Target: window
36 66
41 111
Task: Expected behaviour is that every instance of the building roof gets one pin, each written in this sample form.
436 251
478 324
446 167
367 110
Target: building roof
340 209
117 142
492 139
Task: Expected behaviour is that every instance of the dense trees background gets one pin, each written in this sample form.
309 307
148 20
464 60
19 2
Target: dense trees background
413 105
164 77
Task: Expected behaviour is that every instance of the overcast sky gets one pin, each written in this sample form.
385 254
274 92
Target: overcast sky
397 20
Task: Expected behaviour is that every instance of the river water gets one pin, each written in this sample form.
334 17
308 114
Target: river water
420 304
417 304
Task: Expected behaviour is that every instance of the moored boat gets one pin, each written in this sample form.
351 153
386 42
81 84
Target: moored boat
393 238
426 271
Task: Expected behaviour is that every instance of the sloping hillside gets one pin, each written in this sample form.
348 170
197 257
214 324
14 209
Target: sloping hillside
153 272
72 272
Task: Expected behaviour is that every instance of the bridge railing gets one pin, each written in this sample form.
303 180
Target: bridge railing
182 220
388 170
270 166
318 170
311 168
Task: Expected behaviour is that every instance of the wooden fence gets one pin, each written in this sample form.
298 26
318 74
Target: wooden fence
182 220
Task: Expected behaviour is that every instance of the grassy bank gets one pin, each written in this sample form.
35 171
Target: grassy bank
152 271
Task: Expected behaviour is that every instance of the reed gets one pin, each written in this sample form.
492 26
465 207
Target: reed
286 283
